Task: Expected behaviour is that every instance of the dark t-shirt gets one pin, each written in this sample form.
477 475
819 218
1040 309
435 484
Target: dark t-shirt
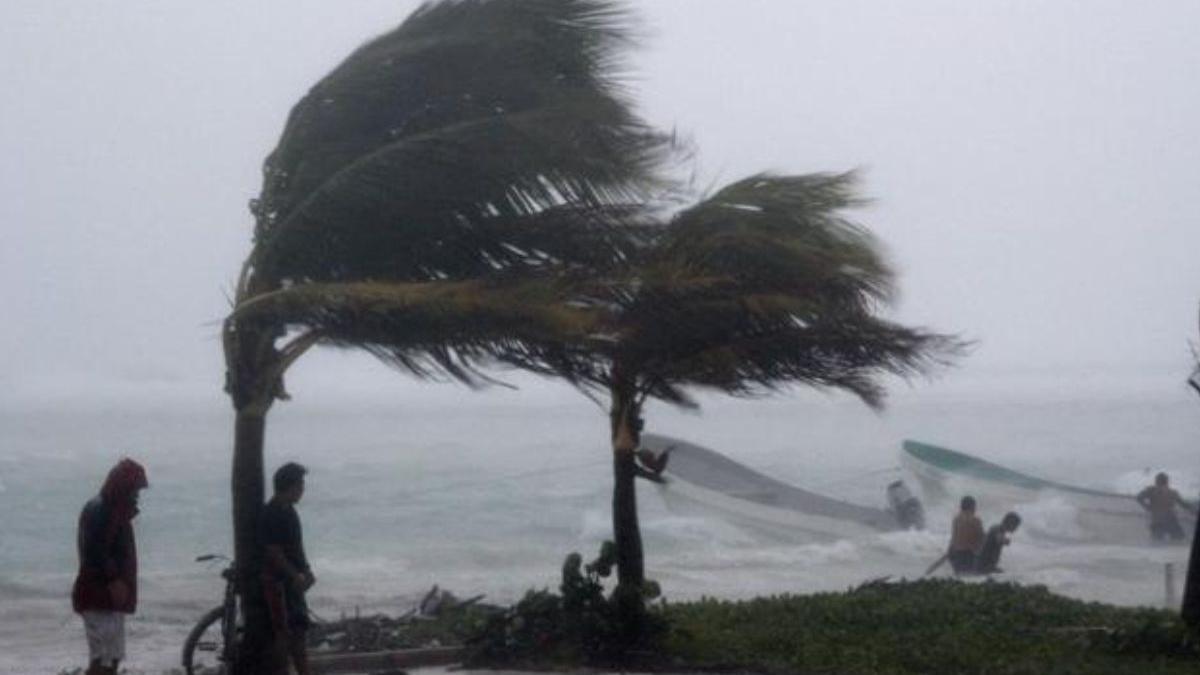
280 526
989 555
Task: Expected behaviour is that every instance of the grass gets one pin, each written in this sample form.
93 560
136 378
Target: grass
928 627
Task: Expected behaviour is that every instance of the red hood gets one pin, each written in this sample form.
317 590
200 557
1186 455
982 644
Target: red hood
123 482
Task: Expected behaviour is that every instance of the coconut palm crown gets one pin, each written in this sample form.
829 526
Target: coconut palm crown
764 284
480 139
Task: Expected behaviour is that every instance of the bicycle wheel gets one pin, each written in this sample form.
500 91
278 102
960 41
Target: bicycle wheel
205 646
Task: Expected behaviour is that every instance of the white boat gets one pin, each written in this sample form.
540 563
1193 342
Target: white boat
699 477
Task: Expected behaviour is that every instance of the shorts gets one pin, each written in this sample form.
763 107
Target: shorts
287 607
1166 527
963 562
105 636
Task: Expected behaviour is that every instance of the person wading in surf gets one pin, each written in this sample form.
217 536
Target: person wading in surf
966 538
105 588
993 545
1160 501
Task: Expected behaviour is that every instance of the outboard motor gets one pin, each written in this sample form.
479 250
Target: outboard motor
905 506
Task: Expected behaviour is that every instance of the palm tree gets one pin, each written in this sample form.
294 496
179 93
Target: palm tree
425 202
1191 586
763 285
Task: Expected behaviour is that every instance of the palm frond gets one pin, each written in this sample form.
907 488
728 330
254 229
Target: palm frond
426 153
763 285
427 328
785 234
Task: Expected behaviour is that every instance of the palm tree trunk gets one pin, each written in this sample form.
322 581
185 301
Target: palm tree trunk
247 484
1191 586
626 531
252 384
627 534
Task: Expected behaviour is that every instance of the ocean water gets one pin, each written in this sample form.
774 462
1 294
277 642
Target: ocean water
486 492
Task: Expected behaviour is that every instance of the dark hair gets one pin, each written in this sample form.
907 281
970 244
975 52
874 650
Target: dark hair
967 503
1011 518
1161 478
288 476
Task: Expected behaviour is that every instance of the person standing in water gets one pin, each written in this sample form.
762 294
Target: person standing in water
286 573
993 545
105 588
1160 501
966 537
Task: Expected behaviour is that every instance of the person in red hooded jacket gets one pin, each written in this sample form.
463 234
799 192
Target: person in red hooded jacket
106 587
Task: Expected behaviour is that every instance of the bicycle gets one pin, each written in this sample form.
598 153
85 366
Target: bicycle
212 645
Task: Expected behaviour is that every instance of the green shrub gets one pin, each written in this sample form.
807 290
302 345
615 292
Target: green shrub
929 627
580 626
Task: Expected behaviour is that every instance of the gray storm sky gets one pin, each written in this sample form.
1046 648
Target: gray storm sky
1035 164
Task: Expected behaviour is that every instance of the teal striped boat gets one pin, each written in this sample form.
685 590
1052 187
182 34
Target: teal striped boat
962 464
1082 514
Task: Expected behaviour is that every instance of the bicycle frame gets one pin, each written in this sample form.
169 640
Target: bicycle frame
225 616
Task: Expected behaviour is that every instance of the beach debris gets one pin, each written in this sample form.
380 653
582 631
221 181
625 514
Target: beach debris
440 619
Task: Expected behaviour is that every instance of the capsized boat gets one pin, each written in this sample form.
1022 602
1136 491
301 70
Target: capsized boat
1093 516
697 476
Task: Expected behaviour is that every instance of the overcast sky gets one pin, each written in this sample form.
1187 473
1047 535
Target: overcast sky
1035 165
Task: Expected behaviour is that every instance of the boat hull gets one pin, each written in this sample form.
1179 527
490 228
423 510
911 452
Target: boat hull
698 479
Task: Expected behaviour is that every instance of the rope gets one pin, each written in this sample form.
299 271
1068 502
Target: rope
848 479
855 477
450 487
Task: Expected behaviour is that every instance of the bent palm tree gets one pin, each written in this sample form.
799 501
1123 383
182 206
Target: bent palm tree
763 285
424 202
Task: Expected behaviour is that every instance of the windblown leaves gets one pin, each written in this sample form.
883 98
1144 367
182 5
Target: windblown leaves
427 152
445 326
485 140
764 284
474 185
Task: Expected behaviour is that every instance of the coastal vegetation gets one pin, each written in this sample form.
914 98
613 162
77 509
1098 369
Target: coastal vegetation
930 627
925 627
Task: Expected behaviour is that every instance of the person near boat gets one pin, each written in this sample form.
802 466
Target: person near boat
905 506
966 538
1160 501
105 588
998 536
650 465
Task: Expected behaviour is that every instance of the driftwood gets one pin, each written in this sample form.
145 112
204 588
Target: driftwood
438 621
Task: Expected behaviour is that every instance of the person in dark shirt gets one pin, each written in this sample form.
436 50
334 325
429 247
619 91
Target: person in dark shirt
105 588
997 538
286 573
